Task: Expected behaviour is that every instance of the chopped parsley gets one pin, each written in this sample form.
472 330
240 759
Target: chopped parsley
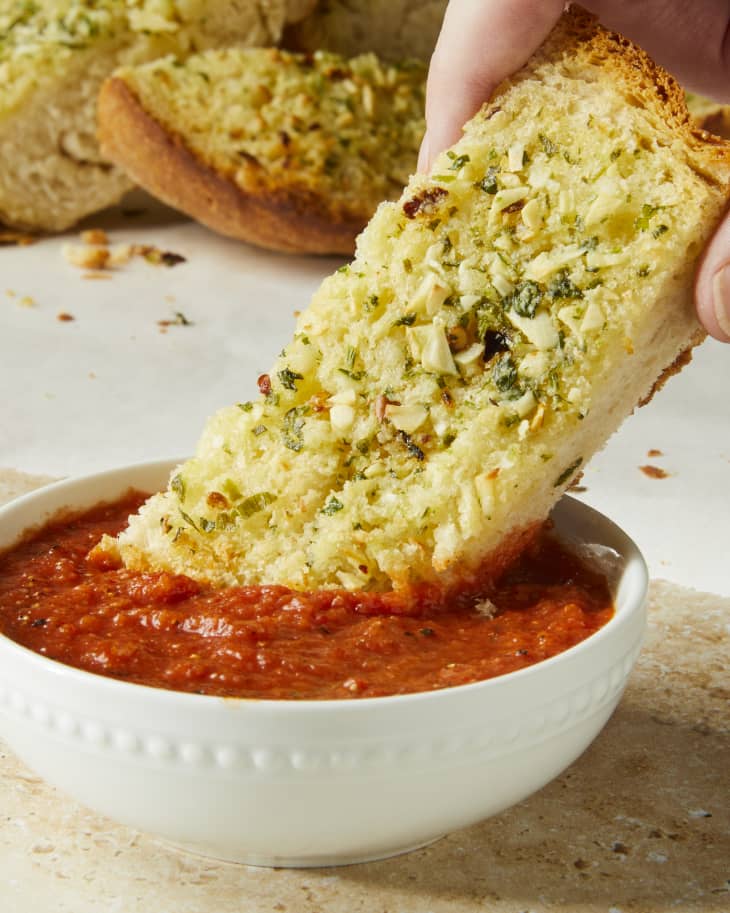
288 378
566 474
504 373
407 320
332 506
562 286
489 182
255 503
526 298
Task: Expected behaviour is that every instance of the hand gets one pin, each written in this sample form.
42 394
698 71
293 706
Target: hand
484 41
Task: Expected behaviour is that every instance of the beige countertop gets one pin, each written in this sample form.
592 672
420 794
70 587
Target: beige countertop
639 824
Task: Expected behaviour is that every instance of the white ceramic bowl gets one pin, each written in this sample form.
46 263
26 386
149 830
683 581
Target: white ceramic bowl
305 783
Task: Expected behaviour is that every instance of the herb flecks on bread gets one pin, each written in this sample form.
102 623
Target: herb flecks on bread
497 324
54 56
290 151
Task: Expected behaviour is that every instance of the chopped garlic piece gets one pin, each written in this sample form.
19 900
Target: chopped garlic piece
596 260
538 329
343 398
503 286
470 355
430 345
592 319
606 203
516 156
406 418
468 301
342 417
545 264
486 485
532 214
524 405
571 317
430 294
505 198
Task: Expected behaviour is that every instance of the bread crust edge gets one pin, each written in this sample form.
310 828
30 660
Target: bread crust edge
161 163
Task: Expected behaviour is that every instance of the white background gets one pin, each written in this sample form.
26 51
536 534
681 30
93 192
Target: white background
111 388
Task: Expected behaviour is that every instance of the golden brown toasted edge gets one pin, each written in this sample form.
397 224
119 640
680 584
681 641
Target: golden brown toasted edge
284 219
681 361
579 39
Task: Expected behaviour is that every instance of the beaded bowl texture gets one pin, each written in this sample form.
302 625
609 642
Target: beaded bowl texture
312 783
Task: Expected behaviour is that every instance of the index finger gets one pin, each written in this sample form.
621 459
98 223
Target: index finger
481 43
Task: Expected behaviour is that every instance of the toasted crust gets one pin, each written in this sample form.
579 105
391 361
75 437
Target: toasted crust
161 163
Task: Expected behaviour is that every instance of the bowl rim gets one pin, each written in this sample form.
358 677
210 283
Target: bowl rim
635 565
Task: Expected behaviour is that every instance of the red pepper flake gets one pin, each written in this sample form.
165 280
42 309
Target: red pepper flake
65 317
264 384
654 472
424 202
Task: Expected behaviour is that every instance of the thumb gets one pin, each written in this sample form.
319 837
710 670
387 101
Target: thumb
712 291
481 43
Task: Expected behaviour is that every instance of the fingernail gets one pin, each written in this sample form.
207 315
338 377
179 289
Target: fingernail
424 154
721 298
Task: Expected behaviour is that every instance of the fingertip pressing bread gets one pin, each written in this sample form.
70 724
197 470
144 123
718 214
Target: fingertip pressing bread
53 59
496 326
288 151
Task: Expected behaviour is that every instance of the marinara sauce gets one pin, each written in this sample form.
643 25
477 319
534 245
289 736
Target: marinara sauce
170 631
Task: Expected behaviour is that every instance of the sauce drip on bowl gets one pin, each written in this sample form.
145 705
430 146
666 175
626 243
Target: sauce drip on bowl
270 642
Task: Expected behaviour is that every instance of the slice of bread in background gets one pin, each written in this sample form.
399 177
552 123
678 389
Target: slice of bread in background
393 29
288 151
710 115
496 326
53 59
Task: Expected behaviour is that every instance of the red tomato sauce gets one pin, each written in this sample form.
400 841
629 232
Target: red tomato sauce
169 631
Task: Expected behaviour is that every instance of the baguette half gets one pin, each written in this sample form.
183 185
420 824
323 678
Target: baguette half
288 151
496 326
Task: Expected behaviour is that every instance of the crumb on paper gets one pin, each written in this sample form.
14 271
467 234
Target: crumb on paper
95 237
96 254
96 275
179 320
65 317
92 376
170 299
86 256
10 293
21 239
27 301
654 472
654 453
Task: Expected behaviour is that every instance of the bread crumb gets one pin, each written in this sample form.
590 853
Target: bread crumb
654 472
27 302
95 236
654 453
86 257
65 317
179 320
121 254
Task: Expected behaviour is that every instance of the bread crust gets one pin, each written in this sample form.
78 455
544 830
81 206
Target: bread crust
579 37
294 221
